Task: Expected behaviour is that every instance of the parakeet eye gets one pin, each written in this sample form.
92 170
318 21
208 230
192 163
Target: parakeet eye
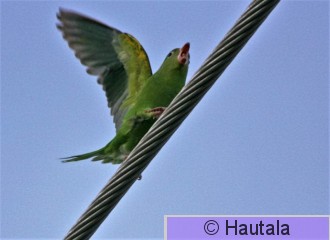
168 55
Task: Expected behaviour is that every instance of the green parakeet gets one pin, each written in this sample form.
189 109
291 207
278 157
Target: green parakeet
135 96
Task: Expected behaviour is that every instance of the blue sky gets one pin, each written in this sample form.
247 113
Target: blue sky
256 144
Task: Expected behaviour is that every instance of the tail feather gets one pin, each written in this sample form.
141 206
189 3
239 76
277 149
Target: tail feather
98 155
113 152
95 154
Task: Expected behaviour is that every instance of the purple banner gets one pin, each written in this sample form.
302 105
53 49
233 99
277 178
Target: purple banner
246 228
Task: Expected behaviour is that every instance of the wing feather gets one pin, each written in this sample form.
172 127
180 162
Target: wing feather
117 58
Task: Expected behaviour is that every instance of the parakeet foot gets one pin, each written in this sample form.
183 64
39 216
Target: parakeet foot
156 112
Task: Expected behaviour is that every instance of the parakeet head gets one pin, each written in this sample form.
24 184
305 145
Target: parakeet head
178 58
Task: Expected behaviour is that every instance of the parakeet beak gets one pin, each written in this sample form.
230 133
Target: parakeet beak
183 56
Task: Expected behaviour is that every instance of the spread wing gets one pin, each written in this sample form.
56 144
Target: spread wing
117 58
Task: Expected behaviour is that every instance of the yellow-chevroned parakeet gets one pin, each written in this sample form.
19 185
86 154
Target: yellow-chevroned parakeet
135 96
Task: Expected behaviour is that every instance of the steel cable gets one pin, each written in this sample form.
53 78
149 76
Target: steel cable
171 119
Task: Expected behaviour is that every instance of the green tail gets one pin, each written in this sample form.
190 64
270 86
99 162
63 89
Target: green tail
117 150
96 155
110 153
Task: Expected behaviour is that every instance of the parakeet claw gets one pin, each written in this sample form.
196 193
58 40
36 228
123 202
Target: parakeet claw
156 112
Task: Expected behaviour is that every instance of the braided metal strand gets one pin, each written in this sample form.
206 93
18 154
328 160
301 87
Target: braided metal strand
171 119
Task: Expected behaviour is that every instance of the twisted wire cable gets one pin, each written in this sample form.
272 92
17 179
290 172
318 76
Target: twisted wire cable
171 119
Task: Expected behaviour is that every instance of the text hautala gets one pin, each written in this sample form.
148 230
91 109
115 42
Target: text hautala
256 228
